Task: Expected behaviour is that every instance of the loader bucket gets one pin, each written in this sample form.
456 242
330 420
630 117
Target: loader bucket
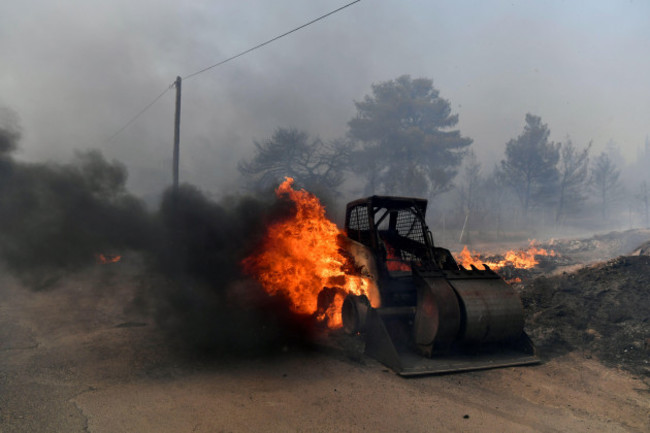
387 340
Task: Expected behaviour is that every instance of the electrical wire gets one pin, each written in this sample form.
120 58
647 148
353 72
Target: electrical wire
140 113
194 74
270 40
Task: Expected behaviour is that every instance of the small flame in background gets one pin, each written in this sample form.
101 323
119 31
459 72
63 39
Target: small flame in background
522 259
300 256
104 259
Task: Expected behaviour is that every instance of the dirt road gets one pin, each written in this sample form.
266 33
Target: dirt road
77 359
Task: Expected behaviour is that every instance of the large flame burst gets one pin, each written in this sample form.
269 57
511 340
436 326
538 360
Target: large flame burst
300 257
522 259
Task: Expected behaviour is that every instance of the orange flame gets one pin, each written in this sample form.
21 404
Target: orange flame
300 257
522 259
104 259
393 261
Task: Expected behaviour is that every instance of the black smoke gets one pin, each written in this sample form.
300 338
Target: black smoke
56 218
206 302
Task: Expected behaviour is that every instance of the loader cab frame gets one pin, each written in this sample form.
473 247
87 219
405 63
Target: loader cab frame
394 228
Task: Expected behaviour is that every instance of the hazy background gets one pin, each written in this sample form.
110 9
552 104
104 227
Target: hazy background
76 71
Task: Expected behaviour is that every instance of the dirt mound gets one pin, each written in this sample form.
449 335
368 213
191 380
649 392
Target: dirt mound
602 310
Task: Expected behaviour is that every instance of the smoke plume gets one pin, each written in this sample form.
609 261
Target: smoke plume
205 301
57 218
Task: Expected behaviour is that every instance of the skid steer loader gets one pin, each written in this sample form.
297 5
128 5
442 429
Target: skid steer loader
427 314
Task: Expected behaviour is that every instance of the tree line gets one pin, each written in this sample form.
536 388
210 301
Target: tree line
553 184
403 140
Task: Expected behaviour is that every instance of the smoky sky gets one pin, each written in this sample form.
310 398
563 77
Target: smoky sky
74 72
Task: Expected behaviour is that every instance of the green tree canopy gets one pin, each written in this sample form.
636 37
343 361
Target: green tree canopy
530 167
313 164
407 145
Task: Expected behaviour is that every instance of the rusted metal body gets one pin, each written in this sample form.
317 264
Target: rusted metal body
428 314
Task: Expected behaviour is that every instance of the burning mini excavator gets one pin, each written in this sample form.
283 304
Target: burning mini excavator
425 313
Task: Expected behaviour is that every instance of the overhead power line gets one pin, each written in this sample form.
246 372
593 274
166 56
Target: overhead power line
140 113
194 74
270 40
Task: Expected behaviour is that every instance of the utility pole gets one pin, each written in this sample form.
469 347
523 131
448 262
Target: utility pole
177 132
